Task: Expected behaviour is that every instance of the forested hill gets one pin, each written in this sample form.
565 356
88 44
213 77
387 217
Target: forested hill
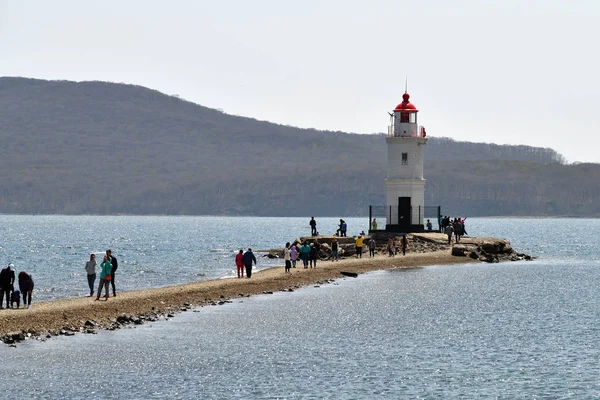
105 148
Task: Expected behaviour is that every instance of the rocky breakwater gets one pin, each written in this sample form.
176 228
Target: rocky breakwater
485 249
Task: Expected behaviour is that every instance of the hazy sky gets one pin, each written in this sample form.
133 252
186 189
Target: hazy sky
502 71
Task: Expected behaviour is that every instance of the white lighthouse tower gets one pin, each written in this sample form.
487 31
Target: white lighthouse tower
404 185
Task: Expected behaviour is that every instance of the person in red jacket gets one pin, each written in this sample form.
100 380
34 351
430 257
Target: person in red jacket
239 263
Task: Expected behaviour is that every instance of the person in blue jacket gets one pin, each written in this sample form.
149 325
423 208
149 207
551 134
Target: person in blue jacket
248 259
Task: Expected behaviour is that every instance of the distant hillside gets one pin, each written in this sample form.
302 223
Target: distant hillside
104 148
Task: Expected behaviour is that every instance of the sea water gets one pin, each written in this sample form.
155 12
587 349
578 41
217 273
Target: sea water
509 330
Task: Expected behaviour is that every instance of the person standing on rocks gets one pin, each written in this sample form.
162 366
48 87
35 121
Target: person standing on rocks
7 280
105 277
404 244
26 287
374 224
359 246
248 259
90 269
313 226
344 228
239 263
287 257
372 247
115 265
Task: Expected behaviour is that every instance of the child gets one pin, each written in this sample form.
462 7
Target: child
15 298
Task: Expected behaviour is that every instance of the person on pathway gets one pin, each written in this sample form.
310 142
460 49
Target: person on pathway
305 254
7 280
105 277
314 251
248 259
313 226
449 231
334 250
404 244
113 260
26 287
294 255
287 257
372 247
359 246
391 246
374 225
239 263
90 269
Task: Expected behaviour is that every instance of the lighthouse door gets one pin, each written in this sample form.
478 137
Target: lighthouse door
404 213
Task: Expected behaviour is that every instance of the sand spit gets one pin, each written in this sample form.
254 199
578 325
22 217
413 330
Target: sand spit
70 316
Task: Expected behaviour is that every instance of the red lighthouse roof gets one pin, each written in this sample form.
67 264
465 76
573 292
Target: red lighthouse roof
406 105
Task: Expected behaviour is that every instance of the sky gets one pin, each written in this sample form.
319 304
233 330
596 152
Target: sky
494 71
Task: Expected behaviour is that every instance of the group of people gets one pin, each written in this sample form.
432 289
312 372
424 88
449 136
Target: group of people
245 261
391 245
454 227
108 269
7 287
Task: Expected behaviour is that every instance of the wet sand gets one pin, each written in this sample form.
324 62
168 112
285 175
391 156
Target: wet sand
72 314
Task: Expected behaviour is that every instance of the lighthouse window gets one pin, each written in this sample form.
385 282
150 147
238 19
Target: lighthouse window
404 158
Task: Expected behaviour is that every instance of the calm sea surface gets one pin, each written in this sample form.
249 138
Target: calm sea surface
512 330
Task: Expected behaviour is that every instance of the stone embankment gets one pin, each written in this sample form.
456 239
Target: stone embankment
485 249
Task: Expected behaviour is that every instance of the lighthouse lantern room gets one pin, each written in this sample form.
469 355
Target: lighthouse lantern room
404 184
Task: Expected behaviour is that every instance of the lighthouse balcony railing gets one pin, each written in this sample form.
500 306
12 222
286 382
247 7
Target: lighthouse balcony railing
404 220
414 132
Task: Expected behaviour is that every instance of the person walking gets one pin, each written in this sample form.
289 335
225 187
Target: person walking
90 268
294 255
7 280
313 226
26 287
105 277
359 246
113 260
287 257
404 242
335 256
239 263
372 247
248 259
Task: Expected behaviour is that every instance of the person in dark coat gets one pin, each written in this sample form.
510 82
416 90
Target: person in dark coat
115 264
26 287
313 226
7 280
248 260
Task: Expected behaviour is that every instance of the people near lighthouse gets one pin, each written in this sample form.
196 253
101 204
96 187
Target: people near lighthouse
335 255
404 243
26 286
293 255
391 246
449 230
313 253
374 224
359 246
313 226
372 245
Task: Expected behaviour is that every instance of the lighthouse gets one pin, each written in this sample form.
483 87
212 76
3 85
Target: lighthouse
404 184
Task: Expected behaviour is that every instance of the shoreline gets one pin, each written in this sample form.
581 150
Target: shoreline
85 315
